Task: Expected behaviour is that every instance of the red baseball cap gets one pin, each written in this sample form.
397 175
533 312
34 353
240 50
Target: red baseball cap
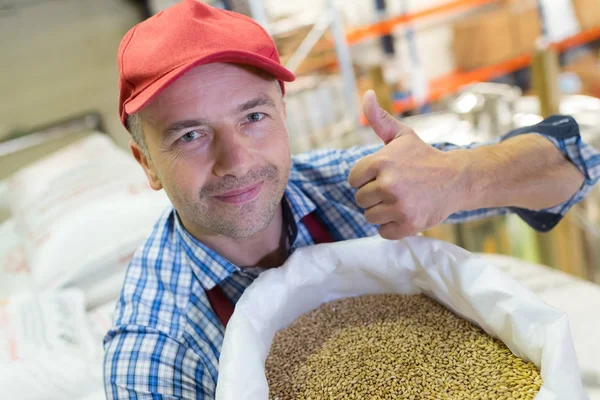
157 51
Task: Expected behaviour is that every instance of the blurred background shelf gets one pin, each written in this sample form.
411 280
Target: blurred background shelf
492 41
451 83
457 71
423 57
386 26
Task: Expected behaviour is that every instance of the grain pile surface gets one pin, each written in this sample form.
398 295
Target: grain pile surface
393 347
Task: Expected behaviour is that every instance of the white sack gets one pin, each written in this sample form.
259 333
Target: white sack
577 298
46 349
82 212
458 279
100 321
15 276
99 395
3 196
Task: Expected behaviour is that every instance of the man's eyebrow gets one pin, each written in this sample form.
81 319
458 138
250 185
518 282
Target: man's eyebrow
181 125
261 100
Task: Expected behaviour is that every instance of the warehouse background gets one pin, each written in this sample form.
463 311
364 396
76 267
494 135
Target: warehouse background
457 71
58 56
59 64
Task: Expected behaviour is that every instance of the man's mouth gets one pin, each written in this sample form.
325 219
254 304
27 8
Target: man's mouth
242 195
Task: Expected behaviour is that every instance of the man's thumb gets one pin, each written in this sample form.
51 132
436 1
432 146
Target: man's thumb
384 125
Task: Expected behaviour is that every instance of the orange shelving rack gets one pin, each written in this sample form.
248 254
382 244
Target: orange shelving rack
449 84
387 25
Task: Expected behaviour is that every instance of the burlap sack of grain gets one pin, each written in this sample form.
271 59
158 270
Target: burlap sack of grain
458 279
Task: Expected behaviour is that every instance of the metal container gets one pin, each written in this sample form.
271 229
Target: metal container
442 127
487 106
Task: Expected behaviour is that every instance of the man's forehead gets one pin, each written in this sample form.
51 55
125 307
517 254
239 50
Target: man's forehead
213 83
217 74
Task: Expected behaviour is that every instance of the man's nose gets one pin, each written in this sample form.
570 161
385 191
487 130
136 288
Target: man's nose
232 155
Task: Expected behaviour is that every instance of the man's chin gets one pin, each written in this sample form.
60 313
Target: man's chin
241 231
241 225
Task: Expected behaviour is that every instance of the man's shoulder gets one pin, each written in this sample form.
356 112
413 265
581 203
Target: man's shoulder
327 165
316 158
330 160
157 283
318 167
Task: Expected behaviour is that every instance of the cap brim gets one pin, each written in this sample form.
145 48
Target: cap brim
237 57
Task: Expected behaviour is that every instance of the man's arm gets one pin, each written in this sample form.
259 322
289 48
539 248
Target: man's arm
143 363
526 171
408 186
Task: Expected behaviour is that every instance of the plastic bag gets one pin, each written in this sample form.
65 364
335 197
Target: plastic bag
458 279
15 276
82 212
47 351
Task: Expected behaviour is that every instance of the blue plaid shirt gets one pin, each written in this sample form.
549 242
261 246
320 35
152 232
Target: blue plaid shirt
165 341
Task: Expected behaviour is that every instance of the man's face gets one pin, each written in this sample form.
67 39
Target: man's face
219 147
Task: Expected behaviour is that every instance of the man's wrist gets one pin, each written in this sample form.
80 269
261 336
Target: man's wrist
474 178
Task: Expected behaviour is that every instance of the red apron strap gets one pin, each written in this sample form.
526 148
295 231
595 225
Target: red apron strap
220 304
219 301
317 230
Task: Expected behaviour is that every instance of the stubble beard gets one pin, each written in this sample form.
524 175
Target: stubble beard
239 221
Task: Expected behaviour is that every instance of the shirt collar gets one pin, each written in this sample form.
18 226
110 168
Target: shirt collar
210 267
300 204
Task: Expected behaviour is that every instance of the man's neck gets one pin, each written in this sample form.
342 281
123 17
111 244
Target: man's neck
266 249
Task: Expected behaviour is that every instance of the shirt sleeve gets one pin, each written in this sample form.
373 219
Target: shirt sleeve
143 363
562 131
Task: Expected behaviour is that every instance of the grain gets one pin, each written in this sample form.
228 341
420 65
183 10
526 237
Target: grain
393 347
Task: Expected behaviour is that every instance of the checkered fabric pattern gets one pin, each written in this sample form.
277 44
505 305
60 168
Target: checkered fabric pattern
165 340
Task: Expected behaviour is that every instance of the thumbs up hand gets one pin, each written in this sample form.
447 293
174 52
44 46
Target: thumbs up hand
407 186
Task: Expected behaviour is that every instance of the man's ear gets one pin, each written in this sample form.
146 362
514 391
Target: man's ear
143 160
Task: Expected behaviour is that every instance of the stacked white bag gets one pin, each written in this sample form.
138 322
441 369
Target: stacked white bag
49 349
81 213
15 276
77 217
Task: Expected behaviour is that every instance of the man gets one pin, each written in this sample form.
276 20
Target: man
201 92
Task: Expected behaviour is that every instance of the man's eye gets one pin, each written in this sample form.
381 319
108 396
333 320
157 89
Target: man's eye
191 135
255 117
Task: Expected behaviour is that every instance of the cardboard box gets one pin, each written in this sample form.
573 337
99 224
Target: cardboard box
489 38
587 68
526 23
588 13
527 28
483 39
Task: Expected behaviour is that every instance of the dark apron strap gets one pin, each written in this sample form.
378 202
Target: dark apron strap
219 301
220 304
316 229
